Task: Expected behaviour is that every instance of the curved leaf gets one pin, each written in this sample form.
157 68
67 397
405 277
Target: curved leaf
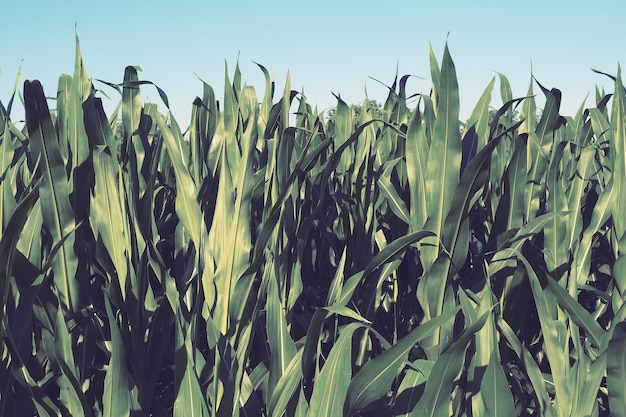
376 376
389 252
437 398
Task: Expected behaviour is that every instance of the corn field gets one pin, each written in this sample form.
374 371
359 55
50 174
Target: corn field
272 261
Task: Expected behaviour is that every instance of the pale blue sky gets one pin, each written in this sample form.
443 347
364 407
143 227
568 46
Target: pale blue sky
326 46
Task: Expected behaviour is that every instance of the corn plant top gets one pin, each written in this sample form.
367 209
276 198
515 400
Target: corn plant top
384 259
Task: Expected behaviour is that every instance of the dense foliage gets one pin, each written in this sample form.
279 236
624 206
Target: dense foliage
274 261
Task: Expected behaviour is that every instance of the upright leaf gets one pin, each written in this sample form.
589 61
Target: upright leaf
116 399
616 371
444 158
416 152
437 398
58 217
331 384
494 389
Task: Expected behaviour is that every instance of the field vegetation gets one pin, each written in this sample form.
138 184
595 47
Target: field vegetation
271 260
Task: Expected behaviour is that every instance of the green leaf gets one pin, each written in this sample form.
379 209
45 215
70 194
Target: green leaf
618 132
494 389
343 129
58 217
556 251
36 394
515 243
107 214
416 154
473 179
72 398
616 371
479 119
444 157
80 402
190 400
336 286
396 204
554 338
116 396
281 346
515 184
187 206
531 368
437 398
374 379
385 255
435 73
506 93
412 387
71 117
230 232
8 242
131 102
342 310
286 386
577 313
331 384
599 216
529 111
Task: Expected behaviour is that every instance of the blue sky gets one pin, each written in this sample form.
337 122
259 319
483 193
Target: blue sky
327 46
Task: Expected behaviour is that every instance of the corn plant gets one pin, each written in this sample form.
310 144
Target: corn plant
271 260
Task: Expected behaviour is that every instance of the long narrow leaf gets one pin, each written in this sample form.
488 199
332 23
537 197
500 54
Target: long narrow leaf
616 371
375 377
58 216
